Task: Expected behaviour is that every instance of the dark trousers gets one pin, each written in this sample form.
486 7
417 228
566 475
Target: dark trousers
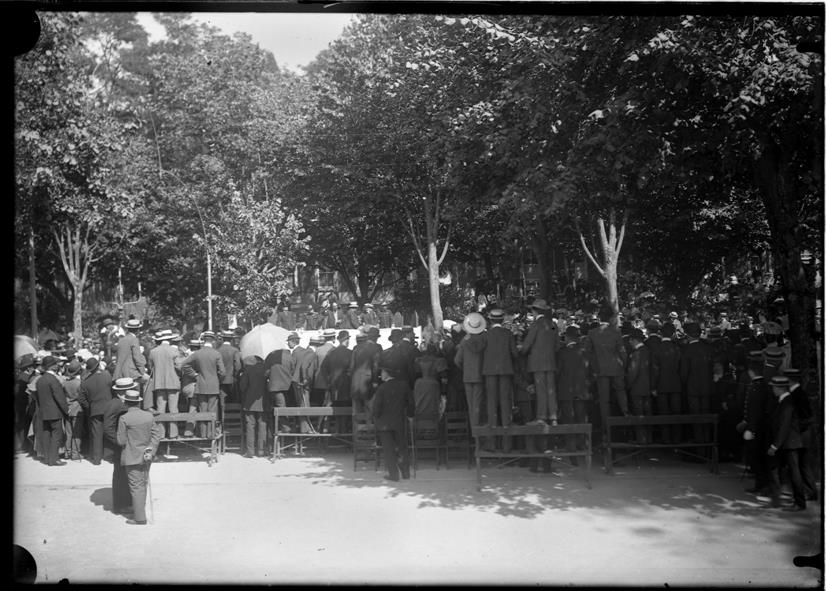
604 386
394 451
96 438
301 397
573 412
758 460
546 397
805 461
225 394
52 434
499 394
278 399
474 391
137 477
790 458
256 432
206 403
669 403
121 497
700 405
641 407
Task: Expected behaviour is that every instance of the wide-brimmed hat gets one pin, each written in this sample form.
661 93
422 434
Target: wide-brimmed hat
672 315
130 396
792 372
328 333
293 336
228 334
207 334
133 323
496 314
124 384
354 304
74 368
474 323
540 304
368 305
316 340
395 335
49 361
779 382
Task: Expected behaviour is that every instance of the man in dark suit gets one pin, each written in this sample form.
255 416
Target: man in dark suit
808 426
785 445
385 317
352 319
130 361
638 381
468 359
572 382
165 380
138 434
393 402
756 424
51 400
231 357
121 497
207 367
310 318
666 388
540 346
95 394
497 368
696 377
606 353
279 368
364 371
336 369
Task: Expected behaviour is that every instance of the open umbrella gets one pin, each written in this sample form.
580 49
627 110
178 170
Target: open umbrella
23 344
263 339
47 335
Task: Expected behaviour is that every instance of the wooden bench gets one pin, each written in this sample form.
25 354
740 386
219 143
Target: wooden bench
637 448
480 432
308 412
210 418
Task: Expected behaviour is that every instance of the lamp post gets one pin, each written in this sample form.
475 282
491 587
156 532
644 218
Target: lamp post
206 247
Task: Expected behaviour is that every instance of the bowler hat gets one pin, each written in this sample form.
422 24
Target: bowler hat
373 332
131 396
636 333
395 335
715 332
653 325
756 355
360 338
25 361
92 364
572 330
692 329
474 323
124 384
343 334
49 361
539 304
74 368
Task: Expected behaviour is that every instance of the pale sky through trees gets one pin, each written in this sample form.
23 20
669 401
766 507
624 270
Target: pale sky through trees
293 38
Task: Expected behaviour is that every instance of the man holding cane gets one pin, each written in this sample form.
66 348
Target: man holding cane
139 436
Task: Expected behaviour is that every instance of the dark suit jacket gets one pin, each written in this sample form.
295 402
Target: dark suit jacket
391 403
803 406
336 368
207 367
279 367
320 378
95 393
130 360
469 357
231 357
541 344
653 342
253 388
500 352
638 373
756 405
51 398
114 409
605 350
306 369
351 319
137 431
667 371
786 425
364 369
572 373
696 369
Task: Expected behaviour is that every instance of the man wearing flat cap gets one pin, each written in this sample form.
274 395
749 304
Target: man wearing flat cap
138 435
785 445
95 394
51 401
540 347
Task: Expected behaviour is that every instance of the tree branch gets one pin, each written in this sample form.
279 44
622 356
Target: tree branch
59 240
588 252
622 232
415 238
447 243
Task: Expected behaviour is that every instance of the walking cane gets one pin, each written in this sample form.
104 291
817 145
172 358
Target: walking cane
149 494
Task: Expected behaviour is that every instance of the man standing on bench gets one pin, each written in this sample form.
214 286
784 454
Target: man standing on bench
207 367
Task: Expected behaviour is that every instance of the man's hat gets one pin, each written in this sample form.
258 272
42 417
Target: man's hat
293 336
792 372
474 323
354 304
779 381
395 335
195 342
715 332
774 353
251 360
692 329
407 329
316 341
368 305
109 320
131 396
756 355
123 384
25 361
329 333
540 304
572 330
163 335
228 334
84 355
92 364
49 361
373 332
74 368
672 315
360 337
653 325
207 334
723 314
342 335
496 315
636 333
133 323
771 328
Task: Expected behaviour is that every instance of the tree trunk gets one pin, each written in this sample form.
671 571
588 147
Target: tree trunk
77 314
32 285
611 244
433 282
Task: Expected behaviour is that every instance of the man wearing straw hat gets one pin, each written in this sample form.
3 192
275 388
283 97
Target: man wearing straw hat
469 359
130 361
139 435
121 498
51 402
207 367
232 363
166 383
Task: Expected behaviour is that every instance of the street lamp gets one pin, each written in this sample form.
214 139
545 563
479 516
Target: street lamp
206 247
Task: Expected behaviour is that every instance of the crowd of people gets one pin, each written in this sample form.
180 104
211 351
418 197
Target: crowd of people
534 367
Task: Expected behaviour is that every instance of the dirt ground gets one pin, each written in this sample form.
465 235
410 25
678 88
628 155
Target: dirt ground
314 520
